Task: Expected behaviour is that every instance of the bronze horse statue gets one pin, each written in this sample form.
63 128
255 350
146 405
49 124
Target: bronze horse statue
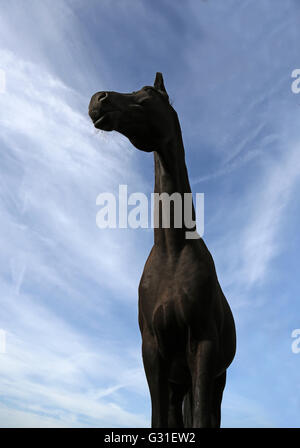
187 328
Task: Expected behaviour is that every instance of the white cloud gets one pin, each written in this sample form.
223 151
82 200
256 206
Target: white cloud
53 171
259 240
51 369
58 283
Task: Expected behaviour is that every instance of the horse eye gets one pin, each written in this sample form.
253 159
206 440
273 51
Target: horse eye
148 88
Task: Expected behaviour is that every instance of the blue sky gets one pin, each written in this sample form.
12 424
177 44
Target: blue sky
72 340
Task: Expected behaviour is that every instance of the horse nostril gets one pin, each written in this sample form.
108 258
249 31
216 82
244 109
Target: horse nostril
101 96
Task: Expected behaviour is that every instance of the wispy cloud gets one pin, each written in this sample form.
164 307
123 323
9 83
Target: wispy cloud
53 170
69 290
52 370
261 242
256 223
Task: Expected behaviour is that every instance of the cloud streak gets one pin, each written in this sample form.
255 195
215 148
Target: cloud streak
69 290
50 148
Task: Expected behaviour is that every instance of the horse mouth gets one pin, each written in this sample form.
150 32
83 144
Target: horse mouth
107 120
97 123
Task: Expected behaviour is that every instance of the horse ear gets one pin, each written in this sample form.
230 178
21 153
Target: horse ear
159 83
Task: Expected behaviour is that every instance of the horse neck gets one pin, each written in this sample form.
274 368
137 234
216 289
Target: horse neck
171 176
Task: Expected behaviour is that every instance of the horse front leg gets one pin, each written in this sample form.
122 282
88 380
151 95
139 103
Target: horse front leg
157 378
202 365
219 385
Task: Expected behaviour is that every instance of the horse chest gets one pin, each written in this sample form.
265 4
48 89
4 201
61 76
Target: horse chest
165 306
174 294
